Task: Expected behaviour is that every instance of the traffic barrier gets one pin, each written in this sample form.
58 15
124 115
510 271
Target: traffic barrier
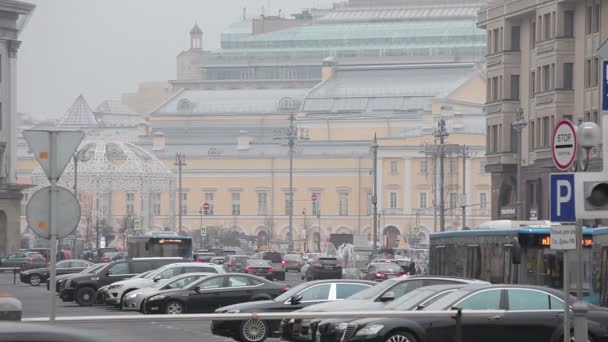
15 270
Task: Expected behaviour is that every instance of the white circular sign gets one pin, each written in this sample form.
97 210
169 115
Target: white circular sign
39 207
564 145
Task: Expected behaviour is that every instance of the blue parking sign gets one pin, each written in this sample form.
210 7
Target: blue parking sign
605 86
562 197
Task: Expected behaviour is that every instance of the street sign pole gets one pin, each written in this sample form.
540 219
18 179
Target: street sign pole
566 277
52 219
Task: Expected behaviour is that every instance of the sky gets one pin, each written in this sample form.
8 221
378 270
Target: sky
102 48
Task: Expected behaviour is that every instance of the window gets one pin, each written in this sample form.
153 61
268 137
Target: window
595 72
316 293
423 167
121 268
569 24
495 41
1 120
394 168
547 26
514 87
588 73
237 281
316 204
494 96
262 203
170 273
193 269
178 284
370 204
287 204
156 204
485 300
532 34
483 200
592 19
130 203
568 74
520 299
343 204
393 200
212 283
482 167
532 83
546 132
236 203
531 133
405 287
453 200
453 165
347 290
515 32
473 266
184 203
209 200
184 106
546 78
422 200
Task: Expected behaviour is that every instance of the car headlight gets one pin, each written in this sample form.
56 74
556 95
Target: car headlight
114 287
94 278
132 295
369 330
342 326
233 311
159 297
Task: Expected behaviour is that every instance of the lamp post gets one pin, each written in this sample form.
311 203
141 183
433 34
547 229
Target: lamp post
375 196
305 233
315 200
518 127
441 133
180 161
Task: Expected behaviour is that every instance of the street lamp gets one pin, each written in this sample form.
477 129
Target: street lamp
518 127
180 161
441 133
375 195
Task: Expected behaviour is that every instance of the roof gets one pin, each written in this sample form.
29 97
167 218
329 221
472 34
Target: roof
196 29
229 101
396 13
79 115
113 107
412 88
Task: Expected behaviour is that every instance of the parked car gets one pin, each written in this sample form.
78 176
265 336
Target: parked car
260 268
83 288
331 329
115 293
120 256
217 260
381 271
377 297
25 260
235 263
278 263
533 313
37 276
210 293
320 291
293 262
204 256
134 300
324 267
108 256
60 280
102 291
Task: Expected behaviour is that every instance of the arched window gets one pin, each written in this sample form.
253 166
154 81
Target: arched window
184 106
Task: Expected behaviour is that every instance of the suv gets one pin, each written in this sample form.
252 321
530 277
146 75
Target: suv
324 268
83 289
278 263
25 260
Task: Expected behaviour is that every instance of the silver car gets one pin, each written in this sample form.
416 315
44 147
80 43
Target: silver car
134 300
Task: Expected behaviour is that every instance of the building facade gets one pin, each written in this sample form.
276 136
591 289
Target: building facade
541 59
13 17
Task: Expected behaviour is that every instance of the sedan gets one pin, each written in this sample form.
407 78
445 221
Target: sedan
260 268
134 300
532 314
324 268
210 293
37 276
24 260
296 298
293 262
381 271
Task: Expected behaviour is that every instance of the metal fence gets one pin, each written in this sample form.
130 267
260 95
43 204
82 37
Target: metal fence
14 270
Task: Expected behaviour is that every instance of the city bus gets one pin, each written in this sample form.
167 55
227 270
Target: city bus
519 255
160 245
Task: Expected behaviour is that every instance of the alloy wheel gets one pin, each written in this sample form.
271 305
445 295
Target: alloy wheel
398 338
254 330
175 309
35 280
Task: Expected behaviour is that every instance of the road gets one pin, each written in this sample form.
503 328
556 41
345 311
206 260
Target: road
36 303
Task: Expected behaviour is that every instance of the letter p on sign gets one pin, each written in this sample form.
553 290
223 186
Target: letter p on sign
562 197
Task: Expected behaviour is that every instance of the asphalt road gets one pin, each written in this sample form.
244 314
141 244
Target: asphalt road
36 303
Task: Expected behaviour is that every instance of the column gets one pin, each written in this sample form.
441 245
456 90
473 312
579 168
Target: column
10 108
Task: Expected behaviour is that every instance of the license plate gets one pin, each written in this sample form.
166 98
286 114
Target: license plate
329 267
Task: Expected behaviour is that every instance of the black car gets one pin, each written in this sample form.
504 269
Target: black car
83 288
381 271
375 298
329 330
296 298
210 293
61 280
324 267
277 261
260 268
37 276
533 313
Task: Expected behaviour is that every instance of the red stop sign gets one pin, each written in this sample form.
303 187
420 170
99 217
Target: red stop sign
314 197
205 206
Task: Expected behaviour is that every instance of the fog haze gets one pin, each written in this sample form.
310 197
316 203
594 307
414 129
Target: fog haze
102 48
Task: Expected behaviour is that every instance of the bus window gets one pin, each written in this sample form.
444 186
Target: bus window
544 267
473 266
438 261
603 286
507 256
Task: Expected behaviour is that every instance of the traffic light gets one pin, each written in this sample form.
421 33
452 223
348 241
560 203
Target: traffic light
596 195
591 189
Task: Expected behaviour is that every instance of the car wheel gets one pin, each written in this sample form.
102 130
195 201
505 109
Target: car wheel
85 296
175 308
253 330
401 336
35 280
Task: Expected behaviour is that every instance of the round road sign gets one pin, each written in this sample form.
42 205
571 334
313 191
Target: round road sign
314 197
205 206
563 146
66 218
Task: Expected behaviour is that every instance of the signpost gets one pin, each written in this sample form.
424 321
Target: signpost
136 224
53 149
563 145
563 238
563 207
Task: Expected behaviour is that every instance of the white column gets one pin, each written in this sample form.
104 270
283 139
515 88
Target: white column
469 187
10 109
407 186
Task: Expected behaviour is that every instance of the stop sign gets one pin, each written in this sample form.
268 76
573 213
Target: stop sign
314 197
206 206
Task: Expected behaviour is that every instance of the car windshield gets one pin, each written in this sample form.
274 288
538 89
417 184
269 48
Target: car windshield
143 275
292 257
272 256
93 269
388 268
447 300
412 299
373 292
258 263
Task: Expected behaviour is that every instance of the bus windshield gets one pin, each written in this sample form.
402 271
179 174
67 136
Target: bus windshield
160 246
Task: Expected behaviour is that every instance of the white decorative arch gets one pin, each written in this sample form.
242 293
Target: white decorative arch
344 230
391 225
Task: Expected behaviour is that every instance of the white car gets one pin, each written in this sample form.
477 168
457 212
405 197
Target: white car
133 300
115 293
